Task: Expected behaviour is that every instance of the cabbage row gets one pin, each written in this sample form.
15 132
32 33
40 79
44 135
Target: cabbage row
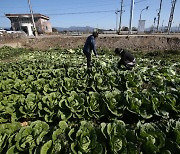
57 86
101 110
85 137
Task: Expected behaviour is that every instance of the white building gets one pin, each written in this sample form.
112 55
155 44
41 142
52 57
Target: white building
24 22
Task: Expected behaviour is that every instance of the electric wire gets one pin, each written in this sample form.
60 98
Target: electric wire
74 13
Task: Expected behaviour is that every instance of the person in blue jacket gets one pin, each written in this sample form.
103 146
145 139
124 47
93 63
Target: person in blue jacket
127 59
90 45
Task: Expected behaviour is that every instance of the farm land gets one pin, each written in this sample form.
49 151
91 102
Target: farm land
51 103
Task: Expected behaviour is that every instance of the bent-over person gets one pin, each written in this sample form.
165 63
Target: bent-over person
127 59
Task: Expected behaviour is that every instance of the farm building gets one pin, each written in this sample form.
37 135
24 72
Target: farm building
24 22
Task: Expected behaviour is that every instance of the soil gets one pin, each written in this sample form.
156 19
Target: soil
132 42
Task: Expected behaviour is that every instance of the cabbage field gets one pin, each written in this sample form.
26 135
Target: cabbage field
50 103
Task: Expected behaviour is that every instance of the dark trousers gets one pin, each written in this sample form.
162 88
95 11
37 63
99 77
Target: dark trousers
88 56
126 64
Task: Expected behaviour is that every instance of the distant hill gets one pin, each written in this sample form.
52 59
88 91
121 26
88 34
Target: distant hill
75 28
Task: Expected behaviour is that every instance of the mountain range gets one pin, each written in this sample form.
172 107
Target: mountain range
90 29
75 28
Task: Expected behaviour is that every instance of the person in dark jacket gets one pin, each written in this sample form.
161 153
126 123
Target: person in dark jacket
90 45
127 59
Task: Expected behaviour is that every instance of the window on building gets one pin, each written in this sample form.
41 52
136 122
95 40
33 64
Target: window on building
35 19
46 27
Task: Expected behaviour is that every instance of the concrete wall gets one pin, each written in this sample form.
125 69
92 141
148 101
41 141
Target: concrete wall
29 28
43 26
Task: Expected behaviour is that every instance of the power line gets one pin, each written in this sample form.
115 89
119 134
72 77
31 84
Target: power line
74 13
95 19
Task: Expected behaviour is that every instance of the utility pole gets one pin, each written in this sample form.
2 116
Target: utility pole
131 16
117 20
121 11
171 15
32 16
159 14
154 24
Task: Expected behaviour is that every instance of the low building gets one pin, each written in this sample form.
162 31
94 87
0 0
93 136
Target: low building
24 22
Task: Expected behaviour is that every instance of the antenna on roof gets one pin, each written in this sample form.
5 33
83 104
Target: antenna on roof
34 26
